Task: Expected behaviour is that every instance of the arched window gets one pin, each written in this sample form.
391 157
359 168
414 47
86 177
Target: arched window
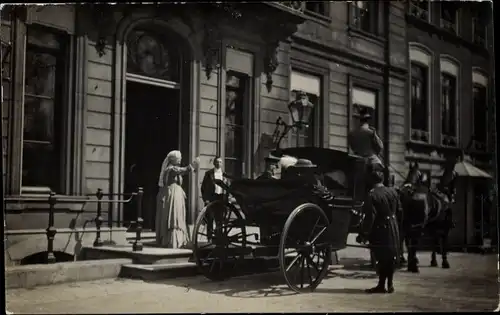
150 54
480 110
420 82
449 102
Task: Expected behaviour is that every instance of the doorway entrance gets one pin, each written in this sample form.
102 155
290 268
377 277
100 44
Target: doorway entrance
481 213
152 130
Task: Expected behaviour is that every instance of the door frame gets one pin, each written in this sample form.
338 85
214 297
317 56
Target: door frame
163 85
189 95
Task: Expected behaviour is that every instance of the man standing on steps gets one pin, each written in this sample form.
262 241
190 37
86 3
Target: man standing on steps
210 191
380 228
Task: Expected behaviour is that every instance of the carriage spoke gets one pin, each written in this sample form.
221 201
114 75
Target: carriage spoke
318 235
312 230
293 262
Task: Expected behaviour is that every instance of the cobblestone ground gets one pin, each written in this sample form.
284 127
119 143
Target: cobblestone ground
470 285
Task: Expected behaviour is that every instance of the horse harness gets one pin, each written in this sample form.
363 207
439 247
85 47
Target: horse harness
437 201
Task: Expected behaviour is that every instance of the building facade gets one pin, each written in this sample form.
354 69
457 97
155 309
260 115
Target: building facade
451 99
96 96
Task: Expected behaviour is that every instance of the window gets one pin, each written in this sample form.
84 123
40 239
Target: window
448 109
480 115
420 94
363 14
420 9
449 12
365 101
480 103
236 98
148 56
43 119
318 7
479 26
311 85
419 103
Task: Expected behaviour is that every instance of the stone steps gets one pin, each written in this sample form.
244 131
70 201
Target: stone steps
147 256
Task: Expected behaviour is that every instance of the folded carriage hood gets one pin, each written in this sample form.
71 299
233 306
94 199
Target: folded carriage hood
326 159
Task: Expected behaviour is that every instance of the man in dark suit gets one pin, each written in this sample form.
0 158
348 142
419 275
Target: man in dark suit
209 190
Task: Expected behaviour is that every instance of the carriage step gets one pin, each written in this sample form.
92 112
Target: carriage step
159 271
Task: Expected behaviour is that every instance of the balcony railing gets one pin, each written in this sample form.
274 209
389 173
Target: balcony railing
419 12
298 6
419 135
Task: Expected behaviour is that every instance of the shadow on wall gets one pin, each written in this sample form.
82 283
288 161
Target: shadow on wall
266 144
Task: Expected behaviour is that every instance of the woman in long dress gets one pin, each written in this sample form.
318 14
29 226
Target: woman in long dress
171 228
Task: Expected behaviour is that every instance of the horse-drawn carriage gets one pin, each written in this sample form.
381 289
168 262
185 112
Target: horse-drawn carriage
300 221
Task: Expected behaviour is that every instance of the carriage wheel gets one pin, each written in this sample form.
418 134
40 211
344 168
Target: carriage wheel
219 240
305 250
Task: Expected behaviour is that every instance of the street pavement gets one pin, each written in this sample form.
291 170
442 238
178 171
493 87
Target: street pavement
470 285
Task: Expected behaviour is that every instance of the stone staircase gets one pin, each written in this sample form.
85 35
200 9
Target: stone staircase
152 263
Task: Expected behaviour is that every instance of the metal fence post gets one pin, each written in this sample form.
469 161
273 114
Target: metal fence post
98 220
51 230
137 246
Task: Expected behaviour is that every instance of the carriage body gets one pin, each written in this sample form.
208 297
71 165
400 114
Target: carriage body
310 218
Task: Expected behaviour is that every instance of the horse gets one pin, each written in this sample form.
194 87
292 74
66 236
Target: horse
427 209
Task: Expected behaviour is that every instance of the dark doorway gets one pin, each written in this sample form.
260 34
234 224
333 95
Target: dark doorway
482 208
152 130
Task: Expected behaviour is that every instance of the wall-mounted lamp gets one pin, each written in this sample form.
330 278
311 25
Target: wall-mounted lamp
300 110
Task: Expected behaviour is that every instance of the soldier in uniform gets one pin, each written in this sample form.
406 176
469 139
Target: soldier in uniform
380 229
365 142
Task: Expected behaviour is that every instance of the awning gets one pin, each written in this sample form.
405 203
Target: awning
466 169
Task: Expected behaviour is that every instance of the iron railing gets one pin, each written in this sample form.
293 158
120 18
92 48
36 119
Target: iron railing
52 201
